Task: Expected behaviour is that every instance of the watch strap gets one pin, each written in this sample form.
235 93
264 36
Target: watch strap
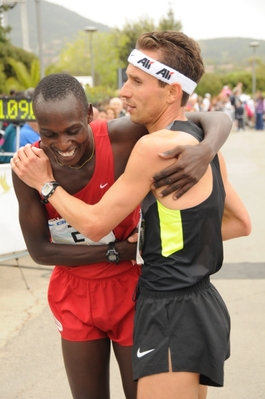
45 198
112 254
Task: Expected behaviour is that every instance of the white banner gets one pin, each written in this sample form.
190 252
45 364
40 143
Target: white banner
11 238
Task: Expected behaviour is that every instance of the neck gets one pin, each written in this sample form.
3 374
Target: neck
166 120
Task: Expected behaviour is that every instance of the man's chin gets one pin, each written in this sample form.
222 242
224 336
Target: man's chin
135 120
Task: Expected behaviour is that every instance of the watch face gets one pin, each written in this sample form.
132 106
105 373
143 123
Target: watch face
112 258
46 189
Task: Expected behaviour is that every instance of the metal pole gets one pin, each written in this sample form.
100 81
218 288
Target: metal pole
25 26
254 45
91 30
38 15
253 74
92 58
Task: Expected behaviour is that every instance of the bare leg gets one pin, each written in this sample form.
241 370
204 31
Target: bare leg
169 385
203 391
87 368
124 358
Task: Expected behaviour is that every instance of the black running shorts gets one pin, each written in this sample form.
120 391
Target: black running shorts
193 323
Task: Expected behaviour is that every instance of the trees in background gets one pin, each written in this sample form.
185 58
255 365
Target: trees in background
10 54
20 69
125 38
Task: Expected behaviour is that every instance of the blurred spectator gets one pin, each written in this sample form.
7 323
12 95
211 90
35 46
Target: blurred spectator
226 91
8 144
29 133
238 89
2 132
111 113
239 115
217 103
192 104
102 113
228 108
237 92
95 113
117 104
259 110
206 102
250 111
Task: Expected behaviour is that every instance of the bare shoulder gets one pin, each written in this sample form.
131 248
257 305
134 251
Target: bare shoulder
163 140
122 129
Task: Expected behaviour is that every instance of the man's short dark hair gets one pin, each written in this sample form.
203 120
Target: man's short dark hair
58 86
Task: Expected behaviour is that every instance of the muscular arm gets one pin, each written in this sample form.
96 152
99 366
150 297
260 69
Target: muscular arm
95 221
193 160
33 222
236 221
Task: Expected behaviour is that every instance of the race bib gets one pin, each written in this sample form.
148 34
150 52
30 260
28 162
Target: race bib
63 233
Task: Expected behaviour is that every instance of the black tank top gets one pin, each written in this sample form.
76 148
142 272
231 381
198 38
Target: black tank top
181 247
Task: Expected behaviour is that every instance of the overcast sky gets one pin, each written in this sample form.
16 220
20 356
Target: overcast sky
204 19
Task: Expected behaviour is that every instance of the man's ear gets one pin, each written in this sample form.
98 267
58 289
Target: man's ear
89 113
175 92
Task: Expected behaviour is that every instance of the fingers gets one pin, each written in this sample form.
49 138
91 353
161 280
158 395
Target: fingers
165 178
174 153
133 238
26 153
169 190
178 189
181 191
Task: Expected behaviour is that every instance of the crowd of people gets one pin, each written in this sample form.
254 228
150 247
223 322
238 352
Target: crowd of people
109 109
243 109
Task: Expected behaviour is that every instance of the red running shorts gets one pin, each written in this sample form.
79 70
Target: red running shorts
86 309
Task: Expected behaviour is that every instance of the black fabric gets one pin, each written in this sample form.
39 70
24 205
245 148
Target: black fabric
200 227
193 323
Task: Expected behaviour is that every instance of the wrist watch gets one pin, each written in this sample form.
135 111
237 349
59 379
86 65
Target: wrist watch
111 254
47 190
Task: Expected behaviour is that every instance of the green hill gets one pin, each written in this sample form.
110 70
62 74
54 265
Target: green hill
60 26
234 51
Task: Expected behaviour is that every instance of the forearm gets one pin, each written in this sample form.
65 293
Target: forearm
78 255
78 214
234 228
216 126
236 220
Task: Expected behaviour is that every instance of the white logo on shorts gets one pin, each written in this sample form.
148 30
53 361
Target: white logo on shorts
141 354
58 324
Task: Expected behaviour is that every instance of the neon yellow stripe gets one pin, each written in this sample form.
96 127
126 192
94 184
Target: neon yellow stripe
171 232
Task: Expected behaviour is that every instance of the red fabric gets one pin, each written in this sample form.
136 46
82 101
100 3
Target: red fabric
92 193
94 309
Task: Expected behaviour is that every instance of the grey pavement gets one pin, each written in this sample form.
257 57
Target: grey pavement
31 364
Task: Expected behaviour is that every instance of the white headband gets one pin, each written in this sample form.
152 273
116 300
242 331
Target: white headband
160 71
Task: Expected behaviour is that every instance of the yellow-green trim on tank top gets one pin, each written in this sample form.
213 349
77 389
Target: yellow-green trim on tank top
171 232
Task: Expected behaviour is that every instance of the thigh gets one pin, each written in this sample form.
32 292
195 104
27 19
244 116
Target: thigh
87 368
203 391
170 385
124 358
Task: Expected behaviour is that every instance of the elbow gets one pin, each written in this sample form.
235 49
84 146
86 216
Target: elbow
41 257
94 232
236 228
246 227
228 119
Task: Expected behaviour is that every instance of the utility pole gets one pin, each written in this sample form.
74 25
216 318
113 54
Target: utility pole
254 45
39 28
